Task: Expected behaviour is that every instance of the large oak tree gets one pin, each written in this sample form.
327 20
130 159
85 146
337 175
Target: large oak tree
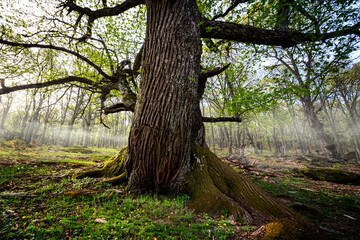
167 152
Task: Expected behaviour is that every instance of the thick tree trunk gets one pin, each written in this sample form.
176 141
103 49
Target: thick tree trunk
167 151
161 133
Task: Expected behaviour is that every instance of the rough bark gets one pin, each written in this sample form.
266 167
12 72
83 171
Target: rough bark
161 132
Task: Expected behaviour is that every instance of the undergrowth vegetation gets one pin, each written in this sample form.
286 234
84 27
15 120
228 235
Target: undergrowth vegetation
38 200
48 204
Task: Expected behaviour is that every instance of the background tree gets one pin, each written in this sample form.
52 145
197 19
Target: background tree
347 88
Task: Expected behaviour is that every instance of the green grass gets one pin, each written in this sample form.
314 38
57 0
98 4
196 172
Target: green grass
109 214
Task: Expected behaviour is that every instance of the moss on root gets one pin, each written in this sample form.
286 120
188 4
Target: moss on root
214 186
114 167
279 231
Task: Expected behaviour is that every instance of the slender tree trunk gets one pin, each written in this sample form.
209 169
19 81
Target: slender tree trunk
44 135
229 141
24 120
269 143
251 140
356 137
34 119
221 138
328 110
276 143
77 110
328 146
5 111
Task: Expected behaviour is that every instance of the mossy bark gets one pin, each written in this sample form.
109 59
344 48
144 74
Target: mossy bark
214 186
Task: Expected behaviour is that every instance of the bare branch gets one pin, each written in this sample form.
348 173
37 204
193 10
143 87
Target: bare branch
250 34
119 107
306 14
46 84
205 75
95 14
62 49
221 119
104 12
214 72
234 5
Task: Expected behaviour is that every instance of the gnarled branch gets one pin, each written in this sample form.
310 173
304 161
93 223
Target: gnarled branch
214 72
221 119
250 34
119 107
95 14
46 84
234 5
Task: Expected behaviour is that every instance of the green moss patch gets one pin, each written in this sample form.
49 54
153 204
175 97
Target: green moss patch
77 149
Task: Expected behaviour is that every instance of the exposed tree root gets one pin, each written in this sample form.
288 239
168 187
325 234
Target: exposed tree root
114 167
122 178
214 187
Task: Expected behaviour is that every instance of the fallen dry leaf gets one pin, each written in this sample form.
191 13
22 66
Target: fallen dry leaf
100 220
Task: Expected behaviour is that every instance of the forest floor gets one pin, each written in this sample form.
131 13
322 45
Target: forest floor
38 199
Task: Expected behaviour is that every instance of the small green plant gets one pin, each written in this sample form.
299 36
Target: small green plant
15 144
81 183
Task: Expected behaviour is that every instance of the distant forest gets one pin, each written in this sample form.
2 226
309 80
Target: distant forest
71 117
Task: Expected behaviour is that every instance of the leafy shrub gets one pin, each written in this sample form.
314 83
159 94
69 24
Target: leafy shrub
16 144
